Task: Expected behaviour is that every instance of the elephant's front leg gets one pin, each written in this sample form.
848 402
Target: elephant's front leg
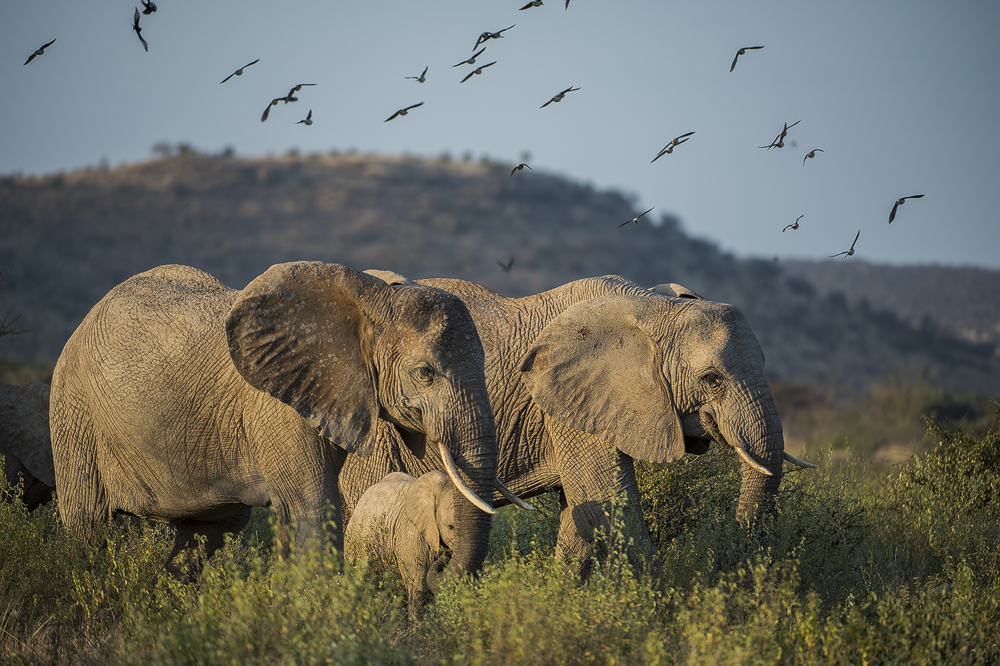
600 499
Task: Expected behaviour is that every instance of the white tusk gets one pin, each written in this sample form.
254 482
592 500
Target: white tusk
795 461
452 469
511 497
753 463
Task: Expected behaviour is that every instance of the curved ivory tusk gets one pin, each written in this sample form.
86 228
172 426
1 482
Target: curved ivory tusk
753 463
452 469
511 497
795 461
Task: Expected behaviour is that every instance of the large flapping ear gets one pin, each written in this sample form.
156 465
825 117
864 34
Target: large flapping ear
299 333
594 368
389 277
420 505
675 290
24 430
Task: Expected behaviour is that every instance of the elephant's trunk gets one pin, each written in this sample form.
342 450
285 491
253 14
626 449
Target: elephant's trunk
757 430
476 459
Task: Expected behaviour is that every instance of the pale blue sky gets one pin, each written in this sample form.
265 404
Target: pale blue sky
903 97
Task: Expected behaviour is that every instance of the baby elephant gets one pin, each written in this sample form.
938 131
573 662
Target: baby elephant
24 440
406 520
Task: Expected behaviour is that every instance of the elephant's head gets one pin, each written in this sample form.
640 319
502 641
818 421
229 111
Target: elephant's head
659 375
429 504
25 442
345 349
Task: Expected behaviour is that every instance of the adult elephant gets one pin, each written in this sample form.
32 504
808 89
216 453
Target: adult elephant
24 441
181 400
591 375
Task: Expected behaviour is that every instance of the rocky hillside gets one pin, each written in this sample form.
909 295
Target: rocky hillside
68 238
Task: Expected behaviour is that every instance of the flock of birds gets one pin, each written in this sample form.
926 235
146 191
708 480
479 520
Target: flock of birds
149 7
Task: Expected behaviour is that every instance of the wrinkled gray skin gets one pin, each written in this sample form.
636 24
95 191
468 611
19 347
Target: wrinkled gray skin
181 400
24 441
408 521
591 375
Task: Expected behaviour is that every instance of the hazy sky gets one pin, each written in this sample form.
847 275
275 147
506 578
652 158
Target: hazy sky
903 97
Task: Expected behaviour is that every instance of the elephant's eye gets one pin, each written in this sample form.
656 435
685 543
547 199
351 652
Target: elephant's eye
424 374
712 379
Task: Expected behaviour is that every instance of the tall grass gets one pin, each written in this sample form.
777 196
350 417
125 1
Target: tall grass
849 570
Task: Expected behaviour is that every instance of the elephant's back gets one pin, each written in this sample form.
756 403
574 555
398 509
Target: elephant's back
377 506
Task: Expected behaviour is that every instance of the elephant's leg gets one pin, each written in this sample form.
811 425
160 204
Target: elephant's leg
83 498
600 498
186 542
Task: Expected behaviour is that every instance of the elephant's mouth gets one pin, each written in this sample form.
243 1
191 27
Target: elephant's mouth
415 441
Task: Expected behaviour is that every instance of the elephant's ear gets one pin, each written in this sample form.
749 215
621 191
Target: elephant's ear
594 369
24 430
299 333
420 506
675 290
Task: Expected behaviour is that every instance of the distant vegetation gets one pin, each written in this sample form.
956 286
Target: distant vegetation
849 570
70 237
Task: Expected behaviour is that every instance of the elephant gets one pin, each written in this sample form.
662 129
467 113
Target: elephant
408 521
24 441
591 375
183 401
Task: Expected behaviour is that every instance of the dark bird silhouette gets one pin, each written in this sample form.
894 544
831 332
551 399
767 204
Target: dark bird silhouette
848 253
900 202
742 51
267 111
811 154
40 51
289 97
634 220
567 4
793 226
779 141
148 7
308 121
421 78
138 30
477 70
506 267
472 58
558 97
403 112
519 167
490 35
669 148
239 72
533 3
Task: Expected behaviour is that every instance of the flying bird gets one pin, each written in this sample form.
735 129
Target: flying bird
634 220
289 97
811 154
148 7
490 35
273 102
421 78
519 167
779 141
138 30
900 202
558 97
742 51
850 252
669 148
477 70
403 112
567 4
795 225
308 121
472 59
40 51
506 267
533 3
239 72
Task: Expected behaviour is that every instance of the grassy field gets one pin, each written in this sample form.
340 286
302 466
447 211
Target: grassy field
896 565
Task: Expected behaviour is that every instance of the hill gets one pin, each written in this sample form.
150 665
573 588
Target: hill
68 238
